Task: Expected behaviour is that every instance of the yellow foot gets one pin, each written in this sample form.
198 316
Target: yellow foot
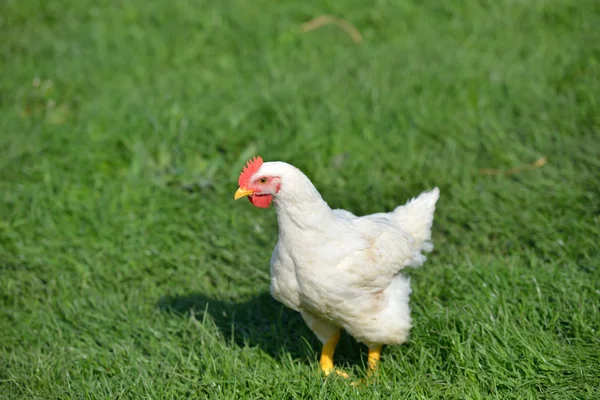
342 374
327 368
364 382
373 361
326 361
358 383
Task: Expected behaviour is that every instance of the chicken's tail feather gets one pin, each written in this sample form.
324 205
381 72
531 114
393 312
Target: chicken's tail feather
416 217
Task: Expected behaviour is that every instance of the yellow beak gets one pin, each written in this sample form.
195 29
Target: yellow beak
242 192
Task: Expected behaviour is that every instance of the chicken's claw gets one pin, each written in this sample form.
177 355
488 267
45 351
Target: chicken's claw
342 374
373 361
328 369
326 361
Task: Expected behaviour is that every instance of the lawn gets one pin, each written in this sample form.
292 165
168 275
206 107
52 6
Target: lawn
127 270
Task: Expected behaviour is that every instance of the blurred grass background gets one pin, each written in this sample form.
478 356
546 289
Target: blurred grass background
128 271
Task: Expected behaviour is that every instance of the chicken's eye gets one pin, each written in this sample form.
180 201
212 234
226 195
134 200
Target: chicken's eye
263 180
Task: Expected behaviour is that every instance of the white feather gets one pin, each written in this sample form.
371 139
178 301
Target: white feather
343 271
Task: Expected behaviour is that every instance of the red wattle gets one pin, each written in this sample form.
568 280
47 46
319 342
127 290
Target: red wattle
261 201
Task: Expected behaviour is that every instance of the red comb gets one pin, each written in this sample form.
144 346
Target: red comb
250 169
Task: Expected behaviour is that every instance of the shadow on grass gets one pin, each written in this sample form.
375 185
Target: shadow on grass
262 322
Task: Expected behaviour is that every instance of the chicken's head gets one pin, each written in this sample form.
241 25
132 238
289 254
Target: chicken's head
260 188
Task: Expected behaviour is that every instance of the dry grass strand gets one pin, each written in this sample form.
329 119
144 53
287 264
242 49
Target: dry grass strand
537 164
322 20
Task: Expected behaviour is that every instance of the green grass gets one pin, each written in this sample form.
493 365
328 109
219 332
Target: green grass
128 271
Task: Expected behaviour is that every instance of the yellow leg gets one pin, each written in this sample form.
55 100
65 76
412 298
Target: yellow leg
326 360
373 360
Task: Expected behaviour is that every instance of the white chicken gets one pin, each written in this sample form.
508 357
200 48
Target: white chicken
340 271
